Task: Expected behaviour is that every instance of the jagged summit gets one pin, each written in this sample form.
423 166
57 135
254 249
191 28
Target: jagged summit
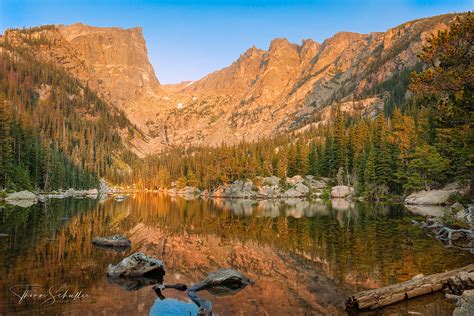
261 93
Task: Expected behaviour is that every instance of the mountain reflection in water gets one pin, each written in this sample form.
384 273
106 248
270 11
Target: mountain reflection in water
304 256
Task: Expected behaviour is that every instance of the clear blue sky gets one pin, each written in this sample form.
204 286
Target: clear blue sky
188 39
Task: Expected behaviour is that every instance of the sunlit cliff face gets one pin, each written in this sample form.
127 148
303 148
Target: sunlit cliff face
262 93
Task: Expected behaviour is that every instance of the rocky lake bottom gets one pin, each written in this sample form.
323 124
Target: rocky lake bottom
306 257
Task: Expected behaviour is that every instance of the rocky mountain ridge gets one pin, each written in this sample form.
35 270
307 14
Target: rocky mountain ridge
262 93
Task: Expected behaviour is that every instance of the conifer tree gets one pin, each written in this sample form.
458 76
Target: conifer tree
5 143
426 168
281 163
292 168
301 158
370 176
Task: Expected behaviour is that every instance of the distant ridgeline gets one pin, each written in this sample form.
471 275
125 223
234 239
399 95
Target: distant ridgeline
424 141
55 132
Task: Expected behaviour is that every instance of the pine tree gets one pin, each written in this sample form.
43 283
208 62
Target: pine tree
292 168
281 164
191 178
301 162
6 158
370 176
339 142
446 86
426 168
313 158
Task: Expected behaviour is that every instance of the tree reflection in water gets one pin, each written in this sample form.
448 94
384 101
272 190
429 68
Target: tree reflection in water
306 255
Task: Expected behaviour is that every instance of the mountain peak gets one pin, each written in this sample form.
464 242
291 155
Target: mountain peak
253 51
280 43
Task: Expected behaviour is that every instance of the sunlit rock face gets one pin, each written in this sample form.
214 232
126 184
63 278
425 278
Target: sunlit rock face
117 57
263 92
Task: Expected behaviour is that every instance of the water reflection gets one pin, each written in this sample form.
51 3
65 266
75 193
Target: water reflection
305 255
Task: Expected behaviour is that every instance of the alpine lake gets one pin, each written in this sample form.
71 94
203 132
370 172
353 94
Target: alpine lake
306 257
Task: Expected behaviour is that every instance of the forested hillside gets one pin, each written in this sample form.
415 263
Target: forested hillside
55 132
426 141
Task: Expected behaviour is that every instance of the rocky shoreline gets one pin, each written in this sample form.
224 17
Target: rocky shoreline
270 188
26 198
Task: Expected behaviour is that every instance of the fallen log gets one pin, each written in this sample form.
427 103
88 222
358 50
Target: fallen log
378 298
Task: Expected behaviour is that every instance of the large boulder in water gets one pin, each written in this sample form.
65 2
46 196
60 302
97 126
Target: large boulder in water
22 195
222 280
465 304
436 197
433 197
341 191
118 241
22 198
299 190
137 265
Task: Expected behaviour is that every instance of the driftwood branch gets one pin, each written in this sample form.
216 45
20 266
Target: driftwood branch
378 298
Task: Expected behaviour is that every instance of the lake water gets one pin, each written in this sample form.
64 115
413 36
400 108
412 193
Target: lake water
305 257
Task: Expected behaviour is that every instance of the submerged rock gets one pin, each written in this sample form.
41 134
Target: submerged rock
137 265
341 191
134 283
222 281
112 241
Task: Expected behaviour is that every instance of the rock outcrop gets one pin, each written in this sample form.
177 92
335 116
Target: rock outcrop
270 188
341 191
465 304
435 197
